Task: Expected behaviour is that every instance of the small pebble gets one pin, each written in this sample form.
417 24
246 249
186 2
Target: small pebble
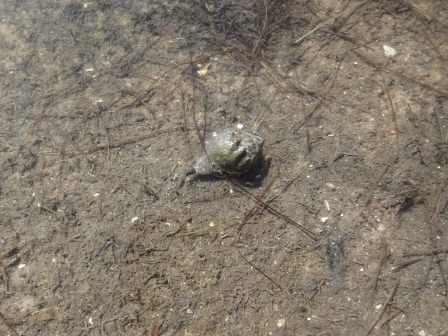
281 323
330 186
389 51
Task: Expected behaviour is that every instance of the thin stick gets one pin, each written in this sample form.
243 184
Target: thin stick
320 102
383 308
431 42
256 48
9 252
433 226
322 24
421 13
275 212
261 196
426 253
117 144
391 103
5 322
383 258
193 107
400 266
379 67
262 273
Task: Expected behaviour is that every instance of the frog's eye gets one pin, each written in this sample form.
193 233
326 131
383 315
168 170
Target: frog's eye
241 152
236 143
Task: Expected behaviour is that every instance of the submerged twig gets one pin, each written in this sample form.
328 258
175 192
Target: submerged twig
257 206
383 258
391 104
261 272
426 253
380 67
275 212
383 308
8 325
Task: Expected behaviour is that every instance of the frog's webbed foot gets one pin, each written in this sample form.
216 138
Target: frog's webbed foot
189 176
191 172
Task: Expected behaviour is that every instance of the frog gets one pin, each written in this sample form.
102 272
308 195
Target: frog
229 152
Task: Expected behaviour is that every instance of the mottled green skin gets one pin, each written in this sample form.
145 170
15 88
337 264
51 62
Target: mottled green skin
231 152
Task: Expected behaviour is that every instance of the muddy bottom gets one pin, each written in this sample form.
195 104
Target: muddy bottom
342 231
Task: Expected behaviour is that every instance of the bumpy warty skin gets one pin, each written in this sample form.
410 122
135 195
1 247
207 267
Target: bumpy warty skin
230 151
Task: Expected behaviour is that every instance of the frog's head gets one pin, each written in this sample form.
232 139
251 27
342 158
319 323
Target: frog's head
232 152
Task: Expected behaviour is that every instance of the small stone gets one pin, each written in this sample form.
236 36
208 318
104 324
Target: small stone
330 186
281 323
203 70
389 51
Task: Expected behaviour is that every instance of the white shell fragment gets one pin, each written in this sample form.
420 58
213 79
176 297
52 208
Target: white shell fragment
230 151
281 322
203 70
389 51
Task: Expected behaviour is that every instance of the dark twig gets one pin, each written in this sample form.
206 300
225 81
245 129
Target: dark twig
257 206
10 327
379 67
9 252
383 258
405 264
391 103
305 119
383 308
275 212
117 144
426 253
262 273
